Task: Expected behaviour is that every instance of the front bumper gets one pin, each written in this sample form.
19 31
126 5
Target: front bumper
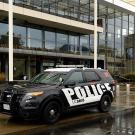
29 113
13 104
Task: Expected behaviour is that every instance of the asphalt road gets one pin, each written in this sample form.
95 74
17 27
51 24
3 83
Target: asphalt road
119 121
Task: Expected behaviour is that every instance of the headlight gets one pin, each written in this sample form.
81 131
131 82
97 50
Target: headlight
32 95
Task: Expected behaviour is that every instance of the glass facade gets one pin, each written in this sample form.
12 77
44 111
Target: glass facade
80 10
47 39
117 40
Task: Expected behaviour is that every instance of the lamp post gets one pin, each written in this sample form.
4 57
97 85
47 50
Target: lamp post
10 21
95 34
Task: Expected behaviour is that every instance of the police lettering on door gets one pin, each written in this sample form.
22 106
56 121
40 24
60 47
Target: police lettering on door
86 94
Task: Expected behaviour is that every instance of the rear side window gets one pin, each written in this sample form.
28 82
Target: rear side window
91 76
76 77
106 75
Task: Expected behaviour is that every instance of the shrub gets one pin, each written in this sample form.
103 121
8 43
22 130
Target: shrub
130 76
2 77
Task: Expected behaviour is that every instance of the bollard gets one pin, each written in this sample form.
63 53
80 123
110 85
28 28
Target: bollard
117 90
128 92
128 88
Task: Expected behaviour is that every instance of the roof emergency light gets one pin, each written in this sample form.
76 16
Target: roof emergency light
70 66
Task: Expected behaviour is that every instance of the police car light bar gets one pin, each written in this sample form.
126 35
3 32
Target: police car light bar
70 66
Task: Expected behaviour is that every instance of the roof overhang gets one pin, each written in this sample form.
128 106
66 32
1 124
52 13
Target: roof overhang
49 20
119 5
51 54
131 2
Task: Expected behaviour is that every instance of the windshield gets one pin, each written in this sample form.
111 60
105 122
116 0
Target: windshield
48 78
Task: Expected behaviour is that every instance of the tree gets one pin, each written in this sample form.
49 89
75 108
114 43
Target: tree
17 40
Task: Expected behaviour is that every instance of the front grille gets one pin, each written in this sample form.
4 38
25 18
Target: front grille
19 97
7 97
12 98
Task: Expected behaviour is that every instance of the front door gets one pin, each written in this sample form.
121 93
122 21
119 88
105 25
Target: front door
74 89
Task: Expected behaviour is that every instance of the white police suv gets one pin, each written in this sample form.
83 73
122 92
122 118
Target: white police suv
59 90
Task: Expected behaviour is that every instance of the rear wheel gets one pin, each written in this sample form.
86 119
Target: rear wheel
51 112
105 103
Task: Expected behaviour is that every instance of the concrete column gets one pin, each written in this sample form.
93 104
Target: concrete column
28 68
95 33
10 40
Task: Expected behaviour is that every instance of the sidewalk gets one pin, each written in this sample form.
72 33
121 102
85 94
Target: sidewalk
125 99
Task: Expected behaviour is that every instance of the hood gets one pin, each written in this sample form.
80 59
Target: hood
29 87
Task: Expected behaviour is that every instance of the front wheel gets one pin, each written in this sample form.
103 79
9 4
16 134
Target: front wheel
105 103
51 112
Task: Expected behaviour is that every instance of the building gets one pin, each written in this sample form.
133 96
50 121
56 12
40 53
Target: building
51 32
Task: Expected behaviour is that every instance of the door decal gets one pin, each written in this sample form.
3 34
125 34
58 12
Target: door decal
86 94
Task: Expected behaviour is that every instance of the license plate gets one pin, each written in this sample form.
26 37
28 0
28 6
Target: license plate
6 107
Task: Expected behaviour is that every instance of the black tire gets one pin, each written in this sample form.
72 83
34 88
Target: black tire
105 103
51 112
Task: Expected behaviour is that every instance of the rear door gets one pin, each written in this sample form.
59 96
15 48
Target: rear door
107 78
93 86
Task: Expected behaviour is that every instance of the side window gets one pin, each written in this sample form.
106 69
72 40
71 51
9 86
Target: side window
76 77
91 76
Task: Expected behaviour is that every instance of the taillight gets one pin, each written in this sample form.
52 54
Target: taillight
114 82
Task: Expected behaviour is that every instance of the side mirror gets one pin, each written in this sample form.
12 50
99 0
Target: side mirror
25 78
61 80
71 83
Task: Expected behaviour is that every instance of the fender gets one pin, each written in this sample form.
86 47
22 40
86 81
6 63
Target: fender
51 98
108 93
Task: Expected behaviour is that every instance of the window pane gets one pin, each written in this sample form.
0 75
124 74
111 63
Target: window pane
19 69
111 28
131 28
84 45
34 38
74 44
3 35
35 33
50 40
129 53
3 29
131 18
19 36
118 22
36 43
62 42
